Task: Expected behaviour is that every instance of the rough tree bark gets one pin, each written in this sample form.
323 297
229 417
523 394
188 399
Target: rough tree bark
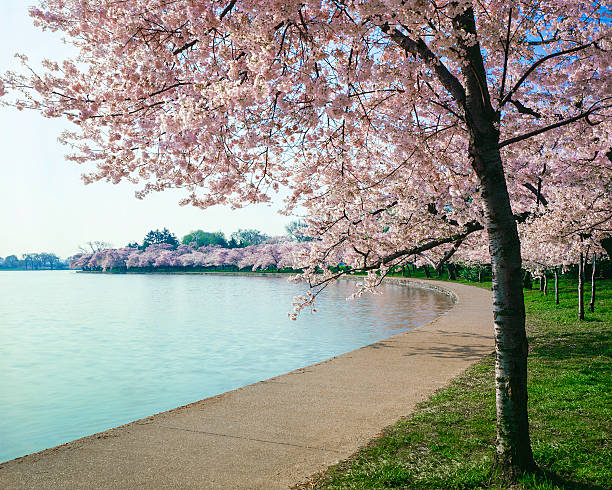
513 446
592 302
581 287
556 285
545 288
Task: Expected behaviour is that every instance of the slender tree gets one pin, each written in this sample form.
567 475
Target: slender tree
592 301
581 286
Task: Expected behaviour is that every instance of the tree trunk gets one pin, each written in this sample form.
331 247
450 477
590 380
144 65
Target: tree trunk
527 280
479 274
545 289
513 445
426 269
513 453
592 302
541 283
581 287
452 275
556 286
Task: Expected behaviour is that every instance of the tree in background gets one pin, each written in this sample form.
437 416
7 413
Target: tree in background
296 230
94 246
41 260
244 238
30 260
202 238
11 262
156 237
49 260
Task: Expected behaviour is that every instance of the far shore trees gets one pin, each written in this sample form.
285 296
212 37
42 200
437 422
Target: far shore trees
33 261
156 237
400 126
43 260
273 256
94 246
202 238
244 238
297 231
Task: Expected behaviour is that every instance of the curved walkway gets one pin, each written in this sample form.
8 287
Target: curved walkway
278 432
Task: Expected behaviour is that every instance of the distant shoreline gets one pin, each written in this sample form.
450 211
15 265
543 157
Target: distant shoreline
222 273
23 269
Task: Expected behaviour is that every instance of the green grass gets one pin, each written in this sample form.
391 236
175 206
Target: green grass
448 441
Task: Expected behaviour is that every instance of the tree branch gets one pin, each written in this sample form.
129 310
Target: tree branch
184 47
420 49
227 9
539 196
469 229
506 54
559 124
524 109
531 69
449 254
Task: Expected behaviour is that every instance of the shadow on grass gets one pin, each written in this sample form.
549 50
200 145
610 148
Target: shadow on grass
563 346
544 476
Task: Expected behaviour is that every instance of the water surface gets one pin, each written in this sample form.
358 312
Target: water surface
81 353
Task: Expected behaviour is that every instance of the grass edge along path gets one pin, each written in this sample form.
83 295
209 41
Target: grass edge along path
448 441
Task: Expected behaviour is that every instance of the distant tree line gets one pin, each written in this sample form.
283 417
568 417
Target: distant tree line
33 261
199 250
241 239
200 238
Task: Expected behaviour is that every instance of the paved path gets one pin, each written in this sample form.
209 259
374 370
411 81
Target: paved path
275 433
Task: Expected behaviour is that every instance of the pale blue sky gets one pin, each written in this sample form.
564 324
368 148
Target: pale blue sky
44 205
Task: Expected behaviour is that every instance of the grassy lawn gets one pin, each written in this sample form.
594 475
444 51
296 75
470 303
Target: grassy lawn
448 441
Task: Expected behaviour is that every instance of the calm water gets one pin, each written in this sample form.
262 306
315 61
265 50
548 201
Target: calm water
80 353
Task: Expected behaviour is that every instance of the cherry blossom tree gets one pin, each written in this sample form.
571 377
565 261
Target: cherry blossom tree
79 261
192 259
218 257
575 222
113 258
400 125
133 259
234 256
166 259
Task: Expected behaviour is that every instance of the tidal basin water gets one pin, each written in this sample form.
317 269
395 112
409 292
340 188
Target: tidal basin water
81 353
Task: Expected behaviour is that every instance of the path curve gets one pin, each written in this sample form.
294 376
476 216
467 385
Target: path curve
278 432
